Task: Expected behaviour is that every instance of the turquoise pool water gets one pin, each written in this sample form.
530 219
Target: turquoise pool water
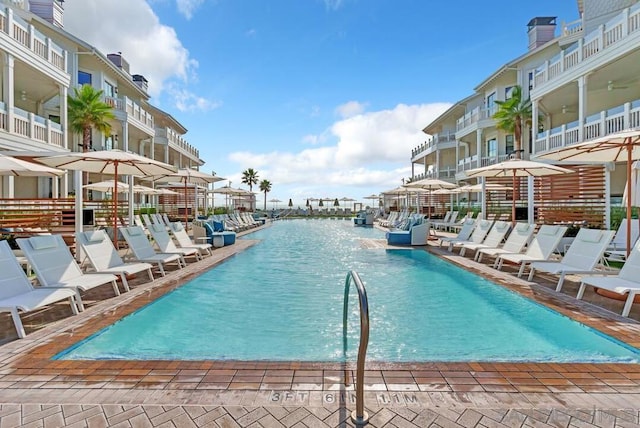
282 300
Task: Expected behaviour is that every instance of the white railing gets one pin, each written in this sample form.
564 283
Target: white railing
445 137
472 117
606 35
572 27
26 35
490 160
30 125
468 163
177 141
448 172
597 125
133 110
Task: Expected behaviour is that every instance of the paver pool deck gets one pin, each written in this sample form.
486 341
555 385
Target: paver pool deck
40 392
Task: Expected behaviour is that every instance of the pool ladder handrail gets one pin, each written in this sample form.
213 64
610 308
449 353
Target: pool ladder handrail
359 416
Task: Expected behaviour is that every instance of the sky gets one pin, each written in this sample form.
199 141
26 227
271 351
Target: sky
323 98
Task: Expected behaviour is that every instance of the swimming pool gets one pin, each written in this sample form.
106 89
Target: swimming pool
282 300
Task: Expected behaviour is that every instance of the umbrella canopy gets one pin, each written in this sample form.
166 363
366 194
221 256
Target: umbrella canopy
275 200
372 197
622 146
516 168
345 199
20 168
477 188
185 176
430 184
112 162
108 186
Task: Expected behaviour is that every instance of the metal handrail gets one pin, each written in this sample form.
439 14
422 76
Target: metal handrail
359 416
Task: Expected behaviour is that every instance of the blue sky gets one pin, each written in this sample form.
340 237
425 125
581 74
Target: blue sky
322 98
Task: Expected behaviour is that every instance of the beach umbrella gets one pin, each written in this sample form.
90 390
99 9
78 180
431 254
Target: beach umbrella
229 191
307 202
336 203
516 168
623 146
430 184
21 168
477 188
290 203
274 201
108 186
187 176
113 162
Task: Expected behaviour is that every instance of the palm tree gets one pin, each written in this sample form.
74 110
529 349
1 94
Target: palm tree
265 186
250 177
512 115
87 111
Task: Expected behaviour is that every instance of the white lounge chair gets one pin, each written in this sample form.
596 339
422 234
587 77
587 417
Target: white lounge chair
55 267
463 235
582 256
515 243
617 249
540 248
165 244
104 258
144 252
17 294
479 233
493 239
177 229
627 280
437 223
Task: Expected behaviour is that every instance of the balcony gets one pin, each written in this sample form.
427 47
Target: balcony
612 33
472 161
32 126
28 37
597 125
135 114
474 117
447 173
440 138
571 28
178 143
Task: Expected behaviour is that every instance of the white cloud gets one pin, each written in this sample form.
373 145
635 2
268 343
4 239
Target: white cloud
131 27
350 109
372 150
188 101
187 7
333 4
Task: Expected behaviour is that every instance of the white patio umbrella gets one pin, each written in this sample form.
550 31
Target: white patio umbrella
10 166
516 168
187 176
274 202
229 191
430 184
108 186
622 146
112 162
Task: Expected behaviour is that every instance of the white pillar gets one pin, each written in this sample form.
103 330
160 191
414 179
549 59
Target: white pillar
582 106
8 89
483 205
77 180
479 147
535 108
608 167
530 200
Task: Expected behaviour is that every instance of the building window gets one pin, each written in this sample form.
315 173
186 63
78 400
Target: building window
84 78
492 148
508 148
508 92
530 80
109 89
491 103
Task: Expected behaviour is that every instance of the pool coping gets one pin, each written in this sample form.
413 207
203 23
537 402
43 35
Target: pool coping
27 375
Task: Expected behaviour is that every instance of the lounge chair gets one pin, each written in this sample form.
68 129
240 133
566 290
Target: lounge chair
617 249
17 294
540 248
493 239
581 258
104 258
626 281
184 241
479 233
55 267
144 252
436 223
463 235
517 240
165 244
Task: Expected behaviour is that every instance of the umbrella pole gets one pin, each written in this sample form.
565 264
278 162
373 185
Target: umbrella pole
186 206
513 199
629 149
115 206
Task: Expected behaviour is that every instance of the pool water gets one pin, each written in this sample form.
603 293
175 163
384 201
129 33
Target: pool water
282 300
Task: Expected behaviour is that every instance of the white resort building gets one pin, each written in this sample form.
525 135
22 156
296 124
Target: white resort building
583 79
41 64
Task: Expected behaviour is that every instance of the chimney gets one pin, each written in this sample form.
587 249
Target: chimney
49 10
541 30
119 61
139 80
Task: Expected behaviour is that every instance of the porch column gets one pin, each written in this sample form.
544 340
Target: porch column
483 204
166 153
152 148
8 187
582 106
479 148
535 109
8 89
530 200
608 167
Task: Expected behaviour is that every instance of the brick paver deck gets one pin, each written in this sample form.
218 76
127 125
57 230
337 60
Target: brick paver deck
37 391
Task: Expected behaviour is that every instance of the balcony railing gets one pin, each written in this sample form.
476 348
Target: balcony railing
472 161
472 117
573 27
133 110
597 125
444 173
29 125
175 139
613 32
445 137
26 35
